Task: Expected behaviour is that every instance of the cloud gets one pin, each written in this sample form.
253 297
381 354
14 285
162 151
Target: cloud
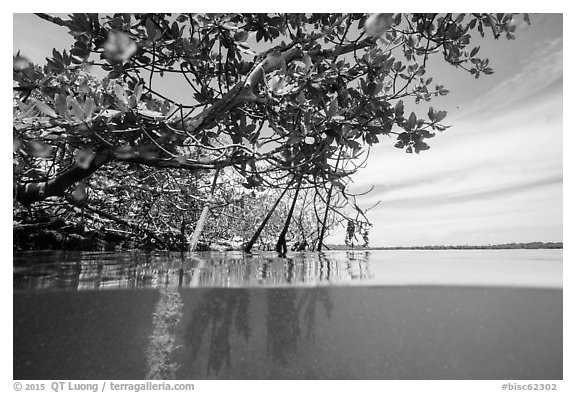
536 73
476 195
386 187
489 180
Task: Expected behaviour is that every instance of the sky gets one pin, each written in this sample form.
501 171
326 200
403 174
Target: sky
494 177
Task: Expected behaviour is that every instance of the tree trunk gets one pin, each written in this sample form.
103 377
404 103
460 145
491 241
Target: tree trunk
183 235
33 192
202 220
323 231
250 244
281 244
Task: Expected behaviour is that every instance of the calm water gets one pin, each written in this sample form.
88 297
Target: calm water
336 315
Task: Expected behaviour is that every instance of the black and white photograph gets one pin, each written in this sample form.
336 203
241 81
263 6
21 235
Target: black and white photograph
286 196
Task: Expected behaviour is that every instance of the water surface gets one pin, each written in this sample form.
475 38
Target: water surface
138 269
338 315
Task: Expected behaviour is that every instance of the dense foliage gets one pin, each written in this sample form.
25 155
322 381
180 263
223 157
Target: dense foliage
282 108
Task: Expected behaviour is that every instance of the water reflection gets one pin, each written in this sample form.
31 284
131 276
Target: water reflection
307 304
220 327
139 269
283 325
211 322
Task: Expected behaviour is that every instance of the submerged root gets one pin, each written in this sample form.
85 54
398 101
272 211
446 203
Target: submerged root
163 339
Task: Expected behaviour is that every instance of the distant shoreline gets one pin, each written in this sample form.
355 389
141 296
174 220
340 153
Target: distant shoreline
507 246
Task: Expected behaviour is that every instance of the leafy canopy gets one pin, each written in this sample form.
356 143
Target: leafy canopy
269 96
